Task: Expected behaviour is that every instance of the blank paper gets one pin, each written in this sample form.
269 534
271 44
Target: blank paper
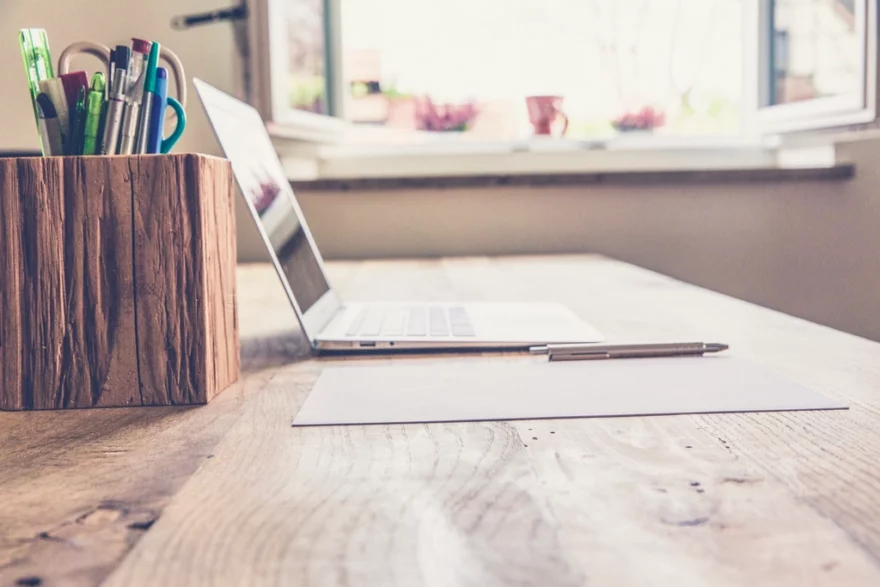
504 389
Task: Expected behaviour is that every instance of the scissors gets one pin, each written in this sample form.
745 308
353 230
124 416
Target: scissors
102 52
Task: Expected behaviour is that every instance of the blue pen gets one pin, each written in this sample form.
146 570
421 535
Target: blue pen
159 102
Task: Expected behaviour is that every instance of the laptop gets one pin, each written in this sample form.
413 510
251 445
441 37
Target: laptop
331 324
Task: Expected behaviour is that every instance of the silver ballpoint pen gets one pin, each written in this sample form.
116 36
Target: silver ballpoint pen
115 107
582 352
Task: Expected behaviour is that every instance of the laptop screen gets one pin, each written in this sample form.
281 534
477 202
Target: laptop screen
262 180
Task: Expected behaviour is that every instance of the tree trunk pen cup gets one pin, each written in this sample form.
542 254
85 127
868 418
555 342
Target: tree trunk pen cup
117 281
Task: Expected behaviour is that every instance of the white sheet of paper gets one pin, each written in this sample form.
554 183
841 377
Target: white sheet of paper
483 389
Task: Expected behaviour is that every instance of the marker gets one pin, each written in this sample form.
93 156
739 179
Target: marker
72 83
116 101
77 125
34 46
50 127
150 99
94 109
54 90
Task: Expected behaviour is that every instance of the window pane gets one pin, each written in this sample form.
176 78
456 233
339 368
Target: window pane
667 66
817 50
306 37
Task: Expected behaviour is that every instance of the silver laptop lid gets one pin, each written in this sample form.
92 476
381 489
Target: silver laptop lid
262 180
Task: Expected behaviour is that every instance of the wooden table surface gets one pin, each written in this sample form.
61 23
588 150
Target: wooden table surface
231 494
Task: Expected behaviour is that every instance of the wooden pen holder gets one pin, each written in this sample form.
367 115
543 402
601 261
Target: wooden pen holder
117 281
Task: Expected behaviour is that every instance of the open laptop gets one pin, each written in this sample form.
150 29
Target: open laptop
330 324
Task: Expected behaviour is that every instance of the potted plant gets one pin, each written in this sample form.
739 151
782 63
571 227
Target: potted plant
645 120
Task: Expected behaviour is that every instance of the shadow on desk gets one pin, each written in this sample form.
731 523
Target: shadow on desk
273 350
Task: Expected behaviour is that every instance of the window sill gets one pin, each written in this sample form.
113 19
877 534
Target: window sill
448 158
648 160
837 172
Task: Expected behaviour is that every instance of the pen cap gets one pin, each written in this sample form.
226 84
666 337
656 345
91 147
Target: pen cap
98 82
122 55
161 86
140 46
47 108
73 82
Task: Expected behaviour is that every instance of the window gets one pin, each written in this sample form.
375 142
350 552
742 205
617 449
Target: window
820 58
588 69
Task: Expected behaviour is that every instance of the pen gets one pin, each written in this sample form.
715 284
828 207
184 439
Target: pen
94 109
50 127
140 51
111 71
131 118
116 101
150 99
77 125
578 352
157 115
134 102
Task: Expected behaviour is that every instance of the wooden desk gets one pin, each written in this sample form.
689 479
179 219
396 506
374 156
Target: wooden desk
231 494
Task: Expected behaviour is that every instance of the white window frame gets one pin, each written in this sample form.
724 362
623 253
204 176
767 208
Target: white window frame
267 84
822 113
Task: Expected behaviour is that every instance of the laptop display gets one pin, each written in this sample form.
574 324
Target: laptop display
261 178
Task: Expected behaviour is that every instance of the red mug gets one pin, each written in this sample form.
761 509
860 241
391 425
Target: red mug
544 111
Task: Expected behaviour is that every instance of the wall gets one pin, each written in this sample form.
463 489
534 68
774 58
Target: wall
207 52
811 249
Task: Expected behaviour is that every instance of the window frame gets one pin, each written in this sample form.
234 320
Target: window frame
835 112
268 38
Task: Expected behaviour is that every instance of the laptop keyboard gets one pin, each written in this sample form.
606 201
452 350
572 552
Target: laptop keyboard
415 321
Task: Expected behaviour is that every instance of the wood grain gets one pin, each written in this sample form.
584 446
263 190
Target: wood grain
12 272
185 300
99 360
679 500
741 499
34 363
217 248
67 298
91 247
79 489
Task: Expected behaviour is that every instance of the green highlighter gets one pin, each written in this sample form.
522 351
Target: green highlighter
94 110
34 45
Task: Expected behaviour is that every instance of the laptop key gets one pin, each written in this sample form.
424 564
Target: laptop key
372 324
394 322
460 322
438 326
355 325
417 325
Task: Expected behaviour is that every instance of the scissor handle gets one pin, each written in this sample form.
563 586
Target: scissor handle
168 143
176 67
98 50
